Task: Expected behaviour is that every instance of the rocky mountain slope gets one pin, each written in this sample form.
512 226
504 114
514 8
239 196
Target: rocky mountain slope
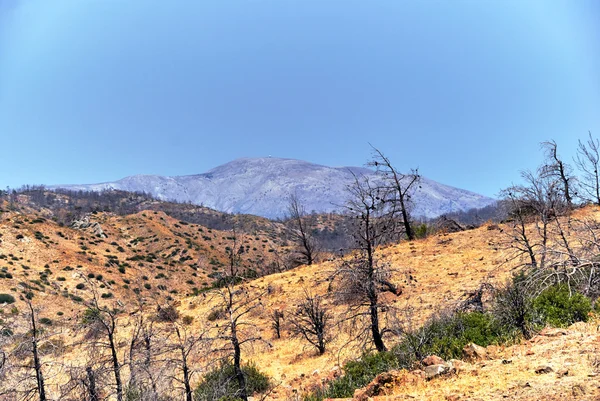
261 186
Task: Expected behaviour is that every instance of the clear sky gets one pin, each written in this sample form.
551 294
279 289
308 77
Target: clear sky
95 90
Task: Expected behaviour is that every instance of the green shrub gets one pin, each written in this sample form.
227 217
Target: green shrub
421 230
358 374
80 286
6 298
221 383
446 335
46 321
513 307
559 307
217 313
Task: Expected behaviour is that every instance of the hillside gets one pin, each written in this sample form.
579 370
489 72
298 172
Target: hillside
168 262
147 251
262 186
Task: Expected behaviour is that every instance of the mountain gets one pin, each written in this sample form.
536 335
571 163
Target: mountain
261 186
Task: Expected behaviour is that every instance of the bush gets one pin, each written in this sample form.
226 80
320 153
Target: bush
80 286
358 374
7 298
446 335
513 308
558 307
217 313
167 314
221 384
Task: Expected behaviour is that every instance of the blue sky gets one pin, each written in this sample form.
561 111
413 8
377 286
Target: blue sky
95 90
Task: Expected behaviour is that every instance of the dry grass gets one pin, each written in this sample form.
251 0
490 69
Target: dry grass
434 273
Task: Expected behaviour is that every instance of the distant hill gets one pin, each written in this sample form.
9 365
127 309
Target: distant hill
261 186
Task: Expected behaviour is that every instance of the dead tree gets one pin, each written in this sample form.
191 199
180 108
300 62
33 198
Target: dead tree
302 231
556 168
8 361
32 342
37 365
539 200
520 215
276 321
587 162
237 299
311 322
399 190
186 348
101 324
360 279
148 349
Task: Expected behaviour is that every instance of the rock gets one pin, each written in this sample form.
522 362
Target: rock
551 332
334 373
474 352
455 365
544 369
432 360
579 390
85 224
435 370
385 382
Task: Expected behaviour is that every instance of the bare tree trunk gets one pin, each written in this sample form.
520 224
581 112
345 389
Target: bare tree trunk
237 364
116 366
92 384
36 357
185 368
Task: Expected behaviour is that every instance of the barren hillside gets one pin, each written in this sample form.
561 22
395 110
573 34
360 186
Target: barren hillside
160 260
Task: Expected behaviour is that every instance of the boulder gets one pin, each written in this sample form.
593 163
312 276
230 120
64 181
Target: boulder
85 224
432 360
385 382
474 352
432 371
544 369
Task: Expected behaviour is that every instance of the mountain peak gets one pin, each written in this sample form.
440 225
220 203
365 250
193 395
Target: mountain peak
262 186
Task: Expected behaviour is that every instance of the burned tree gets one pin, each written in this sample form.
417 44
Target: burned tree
148 353
236 298
276 321
361 278
556 169
186 347
399 188
101 323
588 163
27 364
37 365
311 322
302 231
